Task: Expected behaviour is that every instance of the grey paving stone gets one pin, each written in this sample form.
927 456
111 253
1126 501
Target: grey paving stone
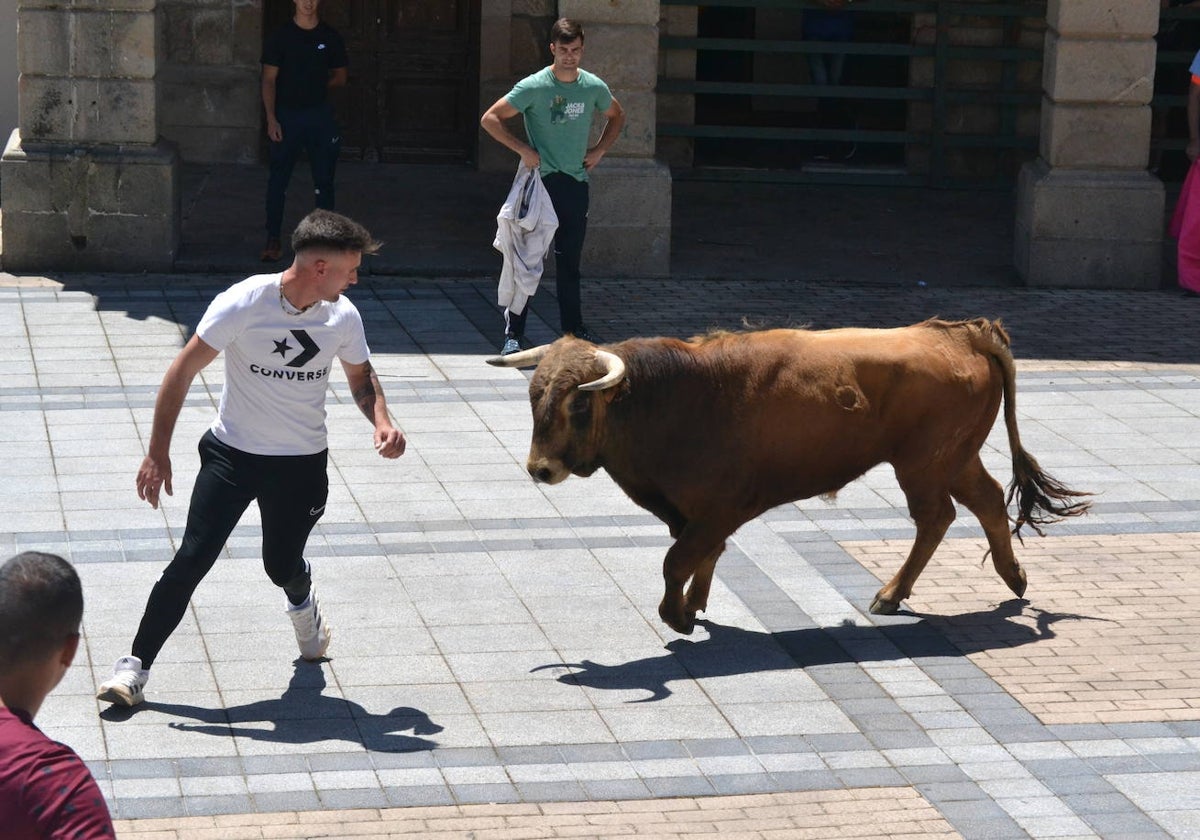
272 764
679 786
462 794
551 792
800 780
616 789
149 807
345 798
205 805
648 750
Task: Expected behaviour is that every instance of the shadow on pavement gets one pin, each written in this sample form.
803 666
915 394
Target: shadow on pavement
730 651
301 715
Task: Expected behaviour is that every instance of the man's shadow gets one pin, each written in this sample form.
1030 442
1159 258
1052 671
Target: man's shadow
730 651
302 715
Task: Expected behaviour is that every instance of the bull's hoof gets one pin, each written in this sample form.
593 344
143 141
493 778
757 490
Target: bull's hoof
1019 586
882 606
681 622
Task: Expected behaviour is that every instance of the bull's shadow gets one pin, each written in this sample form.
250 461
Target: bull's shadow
302 715
730 651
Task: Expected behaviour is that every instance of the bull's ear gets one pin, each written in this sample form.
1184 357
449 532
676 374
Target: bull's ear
525 358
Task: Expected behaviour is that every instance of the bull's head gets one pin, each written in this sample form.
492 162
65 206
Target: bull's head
569 394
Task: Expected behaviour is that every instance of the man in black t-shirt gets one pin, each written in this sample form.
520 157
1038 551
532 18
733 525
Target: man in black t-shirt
301 61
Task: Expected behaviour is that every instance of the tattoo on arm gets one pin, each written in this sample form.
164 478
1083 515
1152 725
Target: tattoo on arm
366 393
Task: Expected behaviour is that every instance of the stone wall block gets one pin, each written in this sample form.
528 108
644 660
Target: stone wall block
638 135
1081 136
529 46
246 29
198 36
609 11
117 111
1113 18
624 56
35 187
1089 204
128 188
1117 72
124 6
42 49
629 220
134 45
495 57
213 35
218 144
46 108
535 8
1088 229
120 212
211 97
91 44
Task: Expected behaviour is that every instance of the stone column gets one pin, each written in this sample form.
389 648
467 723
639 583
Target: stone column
629 223
87 183
1089 214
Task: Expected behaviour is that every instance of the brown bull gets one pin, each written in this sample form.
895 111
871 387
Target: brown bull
709 433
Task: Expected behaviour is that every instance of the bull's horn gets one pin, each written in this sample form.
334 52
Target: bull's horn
523 358
616 372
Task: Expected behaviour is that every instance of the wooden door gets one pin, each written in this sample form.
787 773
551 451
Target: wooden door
412 94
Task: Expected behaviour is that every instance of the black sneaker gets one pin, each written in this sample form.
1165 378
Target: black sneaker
511 345
582 333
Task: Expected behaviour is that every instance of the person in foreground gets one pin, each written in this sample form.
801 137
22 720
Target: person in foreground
46 790
280 333
557 104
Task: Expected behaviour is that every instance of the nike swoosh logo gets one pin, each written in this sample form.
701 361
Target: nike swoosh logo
316 511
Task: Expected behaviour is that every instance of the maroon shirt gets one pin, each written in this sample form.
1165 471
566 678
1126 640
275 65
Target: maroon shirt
46 791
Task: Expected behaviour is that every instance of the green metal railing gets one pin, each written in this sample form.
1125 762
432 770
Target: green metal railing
1005 97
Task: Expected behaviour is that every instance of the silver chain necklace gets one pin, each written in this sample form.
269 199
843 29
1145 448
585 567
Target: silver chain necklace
288 308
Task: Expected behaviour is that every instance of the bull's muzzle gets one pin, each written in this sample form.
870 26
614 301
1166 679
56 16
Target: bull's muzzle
544 471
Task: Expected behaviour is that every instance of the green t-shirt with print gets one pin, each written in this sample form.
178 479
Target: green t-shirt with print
558 117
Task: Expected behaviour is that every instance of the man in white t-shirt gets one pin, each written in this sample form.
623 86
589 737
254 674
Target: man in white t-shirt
280 334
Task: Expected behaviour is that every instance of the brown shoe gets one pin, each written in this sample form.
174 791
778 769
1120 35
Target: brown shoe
272 251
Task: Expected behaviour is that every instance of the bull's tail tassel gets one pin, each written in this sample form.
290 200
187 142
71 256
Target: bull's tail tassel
1041 498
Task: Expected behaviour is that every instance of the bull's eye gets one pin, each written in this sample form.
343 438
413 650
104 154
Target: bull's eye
581 410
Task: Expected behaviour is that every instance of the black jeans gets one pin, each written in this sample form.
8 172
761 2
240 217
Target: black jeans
570 200
291 492
316 131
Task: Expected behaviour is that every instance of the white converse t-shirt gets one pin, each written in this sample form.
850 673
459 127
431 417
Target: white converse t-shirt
277 365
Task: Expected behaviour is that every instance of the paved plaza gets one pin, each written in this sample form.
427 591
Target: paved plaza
498 668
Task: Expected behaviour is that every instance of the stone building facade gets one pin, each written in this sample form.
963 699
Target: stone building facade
115 94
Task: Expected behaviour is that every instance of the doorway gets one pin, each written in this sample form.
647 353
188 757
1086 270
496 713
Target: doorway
413 89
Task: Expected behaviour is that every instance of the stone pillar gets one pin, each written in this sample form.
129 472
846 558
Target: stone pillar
629 224
1089 214
87 183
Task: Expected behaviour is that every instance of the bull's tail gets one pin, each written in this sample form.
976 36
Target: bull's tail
1040 498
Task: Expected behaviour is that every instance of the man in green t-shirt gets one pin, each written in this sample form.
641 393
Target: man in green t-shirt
557 104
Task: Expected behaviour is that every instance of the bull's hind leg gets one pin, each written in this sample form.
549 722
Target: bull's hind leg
696 599
932 511
981 494
692 557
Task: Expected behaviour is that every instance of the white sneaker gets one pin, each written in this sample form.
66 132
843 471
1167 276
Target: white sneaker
125 687
312 633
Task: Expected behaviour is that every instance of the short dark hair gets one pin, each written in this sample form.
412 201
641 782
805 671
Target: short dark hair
326 230
41 605
566 30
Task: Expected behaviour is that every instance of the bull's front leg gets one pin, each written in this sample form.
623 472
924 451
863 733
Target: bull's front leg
694 553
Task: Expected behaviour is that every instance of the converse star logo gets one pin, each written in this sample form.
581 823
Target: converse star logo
309 348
